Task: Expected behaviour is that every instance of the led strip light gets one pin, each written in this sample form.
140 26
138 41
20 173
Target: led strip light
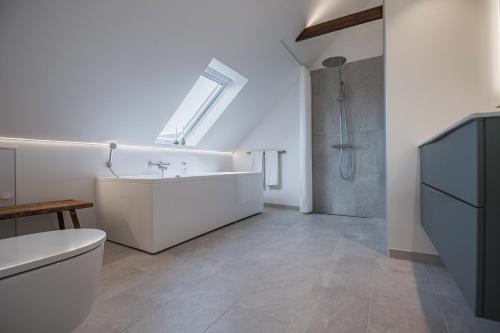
106 145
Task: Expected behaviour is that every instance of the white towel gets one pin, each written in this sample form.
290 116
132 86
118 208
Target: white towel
257 160
271 168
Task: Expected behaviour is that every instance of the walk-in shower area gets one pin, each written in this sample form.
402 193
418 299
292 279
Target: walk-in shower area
349 137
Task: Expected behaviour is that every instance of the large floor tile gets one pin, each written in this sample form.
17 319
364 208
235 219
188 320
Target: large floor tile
243 320
118 314
393 315
331 310
279 301
386 267
350 274
280 271
195 312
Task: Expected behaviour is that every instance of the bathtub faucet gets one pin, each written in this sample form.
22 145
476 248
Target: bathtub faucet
162 166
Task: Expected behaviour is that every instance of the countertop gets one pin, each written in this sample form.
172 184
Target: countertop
460 123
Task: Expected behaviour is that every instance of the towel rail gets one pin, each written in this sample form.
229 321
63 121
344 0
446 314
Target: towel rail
279 151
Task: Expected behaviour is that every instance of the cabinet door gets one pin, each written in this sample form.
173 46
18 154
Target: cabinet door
455 229
7 188
454 163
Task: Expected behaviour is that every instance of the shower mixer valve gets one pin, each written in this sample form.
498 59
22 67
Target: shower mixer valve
161 165
343 145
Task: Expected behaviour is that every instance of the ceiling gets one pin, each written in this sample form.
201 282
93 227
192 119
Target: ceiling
103 70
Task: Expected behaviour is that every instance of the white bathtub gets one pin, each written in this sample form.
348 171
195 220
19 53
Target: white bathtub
151 213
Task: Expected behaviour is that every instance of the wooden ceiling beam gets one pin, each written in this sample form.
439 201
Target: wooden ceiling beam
340 23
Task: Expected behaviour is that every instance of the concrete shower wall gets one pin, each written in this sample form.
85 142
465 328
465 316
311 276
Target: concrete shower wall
365 194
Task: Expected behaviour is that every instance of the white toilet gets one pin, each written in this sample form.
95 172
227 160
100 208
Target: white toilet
49 280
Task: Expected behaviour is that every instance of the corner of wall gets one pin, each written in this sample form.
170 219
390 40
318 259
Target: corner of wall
279 129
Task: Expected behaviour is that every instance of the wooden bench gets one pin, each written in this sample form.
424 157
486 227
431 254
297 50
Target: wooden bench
58 207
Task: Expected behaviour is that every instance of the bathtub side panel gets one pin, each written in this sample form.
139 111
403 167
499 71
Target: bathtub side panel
125 212
189 208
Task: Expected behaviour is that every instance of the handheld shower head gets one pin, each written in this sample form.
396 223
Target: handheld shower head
109 164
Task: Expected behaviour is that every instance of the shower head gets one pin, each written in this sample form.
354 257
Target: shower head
334 62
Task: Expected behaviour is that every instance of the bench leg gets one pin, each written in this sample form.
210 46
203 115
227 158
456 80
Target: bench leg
60 219
74 218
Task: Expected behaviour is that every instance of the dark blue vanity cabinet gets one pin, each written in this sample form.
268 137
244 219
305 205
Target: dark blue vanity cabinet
460 196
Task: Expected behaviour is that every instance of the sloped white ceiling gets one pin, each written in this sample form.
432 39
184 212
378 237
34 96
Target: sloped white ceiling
102 70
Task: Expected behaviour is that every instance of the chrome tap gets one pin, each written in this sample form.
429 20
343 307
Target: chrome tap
161 165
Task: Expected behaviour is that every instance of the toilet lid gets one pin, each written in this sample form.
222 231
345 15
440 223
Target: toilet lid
23 253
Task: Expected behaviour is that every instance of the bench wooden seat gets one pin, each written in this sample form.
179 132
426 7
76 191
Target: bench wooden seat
58 207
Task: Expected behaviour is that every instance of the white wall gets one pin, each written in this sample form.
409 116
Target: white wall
356 43
116 70
278 130
60 171
438 69
494 37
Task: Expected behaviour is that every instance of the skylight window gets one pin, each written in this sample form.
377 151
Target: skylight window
214 90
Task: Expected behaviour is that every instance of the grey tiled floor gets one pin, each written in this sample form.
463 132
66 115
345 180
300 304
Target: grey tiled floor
279 271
